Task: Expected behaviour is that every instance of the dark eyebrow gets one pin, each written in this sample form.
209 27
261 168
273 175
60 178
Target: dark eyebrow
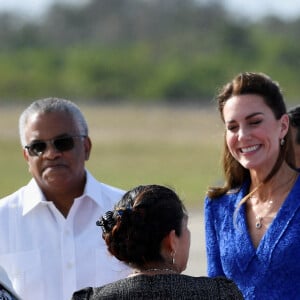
247 118
253 115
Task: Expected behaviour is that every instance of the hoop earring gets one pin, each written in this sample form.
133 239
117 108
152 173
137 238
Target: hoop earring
282 142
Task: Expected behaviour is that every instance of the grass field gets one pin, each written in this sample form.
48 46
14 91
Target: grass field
174 146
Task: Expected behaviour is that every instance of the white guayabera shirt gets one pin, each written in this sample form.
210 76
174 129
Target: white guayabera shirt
47 256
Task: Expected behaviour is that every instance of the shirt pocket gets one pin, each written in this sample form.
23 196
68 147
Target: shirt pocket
25 272
108 268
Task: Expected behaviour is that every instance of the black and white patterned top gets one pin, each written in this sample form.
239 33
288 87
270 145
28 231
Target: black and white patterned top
164 287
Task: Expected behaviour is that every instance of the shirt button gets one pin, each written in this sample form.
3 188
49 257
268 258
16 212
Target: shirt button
69 265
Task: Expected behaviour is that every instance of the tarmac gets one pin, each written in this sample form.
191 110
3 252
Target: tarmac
197 260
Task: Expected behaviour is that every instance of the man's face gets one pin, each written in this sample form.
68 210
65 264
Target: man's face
56 171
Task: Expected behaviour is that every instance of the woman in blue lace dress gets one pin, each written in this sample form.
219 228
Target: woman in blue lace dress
252 223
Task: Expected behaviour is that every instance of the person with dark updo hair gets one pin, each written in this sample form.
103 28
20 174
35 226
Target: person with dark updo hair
148 230
294 114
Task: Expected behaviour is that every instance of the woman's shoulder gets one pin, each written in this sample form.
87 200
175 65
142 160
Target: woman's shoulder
227 288
230 197
217 287
203 287
108 290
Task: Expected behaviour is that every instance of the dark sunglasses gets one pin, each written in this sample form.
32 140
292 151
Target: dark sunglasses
61 144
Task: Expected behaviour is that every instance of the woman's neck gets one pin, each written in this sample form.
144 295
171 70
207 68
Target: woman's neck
280 183
155 270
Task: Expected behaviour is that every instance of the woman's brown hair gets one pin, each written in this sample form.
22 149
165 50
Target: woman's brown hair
259 84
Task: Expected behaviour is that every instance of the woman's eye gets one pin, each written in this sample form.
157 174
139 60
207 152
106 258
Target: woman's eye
232 127
255 122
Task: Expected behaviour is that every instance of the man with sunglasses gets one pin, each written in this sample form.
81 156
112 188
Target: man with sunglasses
294 115
49 242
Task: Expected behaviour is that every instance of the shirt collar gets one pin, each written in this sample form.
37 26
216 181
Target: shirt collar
99 192
91 189
33 196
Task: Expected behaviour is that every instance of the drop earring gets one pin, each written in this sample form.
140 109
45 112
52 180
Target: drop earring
173 257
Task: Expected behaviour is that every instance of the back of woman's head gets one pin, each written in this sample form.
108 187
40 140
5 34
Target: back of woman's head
294 115
136 228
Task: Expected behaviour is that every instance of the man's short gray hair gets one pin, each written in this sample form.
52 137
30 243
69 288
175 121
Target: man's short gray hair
49 105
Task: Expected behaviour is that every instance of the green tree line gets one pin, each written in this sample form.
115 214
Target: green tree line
142 50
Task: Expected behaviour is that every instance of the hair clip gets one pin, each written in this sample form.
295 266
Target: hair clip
120 211
106 222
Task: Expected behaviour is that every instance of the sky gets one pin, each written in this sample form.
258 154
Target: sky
32 7
253 9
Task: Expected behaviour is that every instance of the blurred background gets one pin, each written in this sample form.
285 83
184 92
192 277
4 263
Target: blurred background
145 73
144 50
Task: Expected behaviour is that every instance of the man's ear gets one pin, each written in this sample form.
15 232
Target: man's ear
26 157
87 147
25 154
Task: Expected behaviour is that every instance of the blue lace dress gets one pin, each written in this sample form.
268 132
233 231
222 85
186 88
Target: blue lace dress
270 271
